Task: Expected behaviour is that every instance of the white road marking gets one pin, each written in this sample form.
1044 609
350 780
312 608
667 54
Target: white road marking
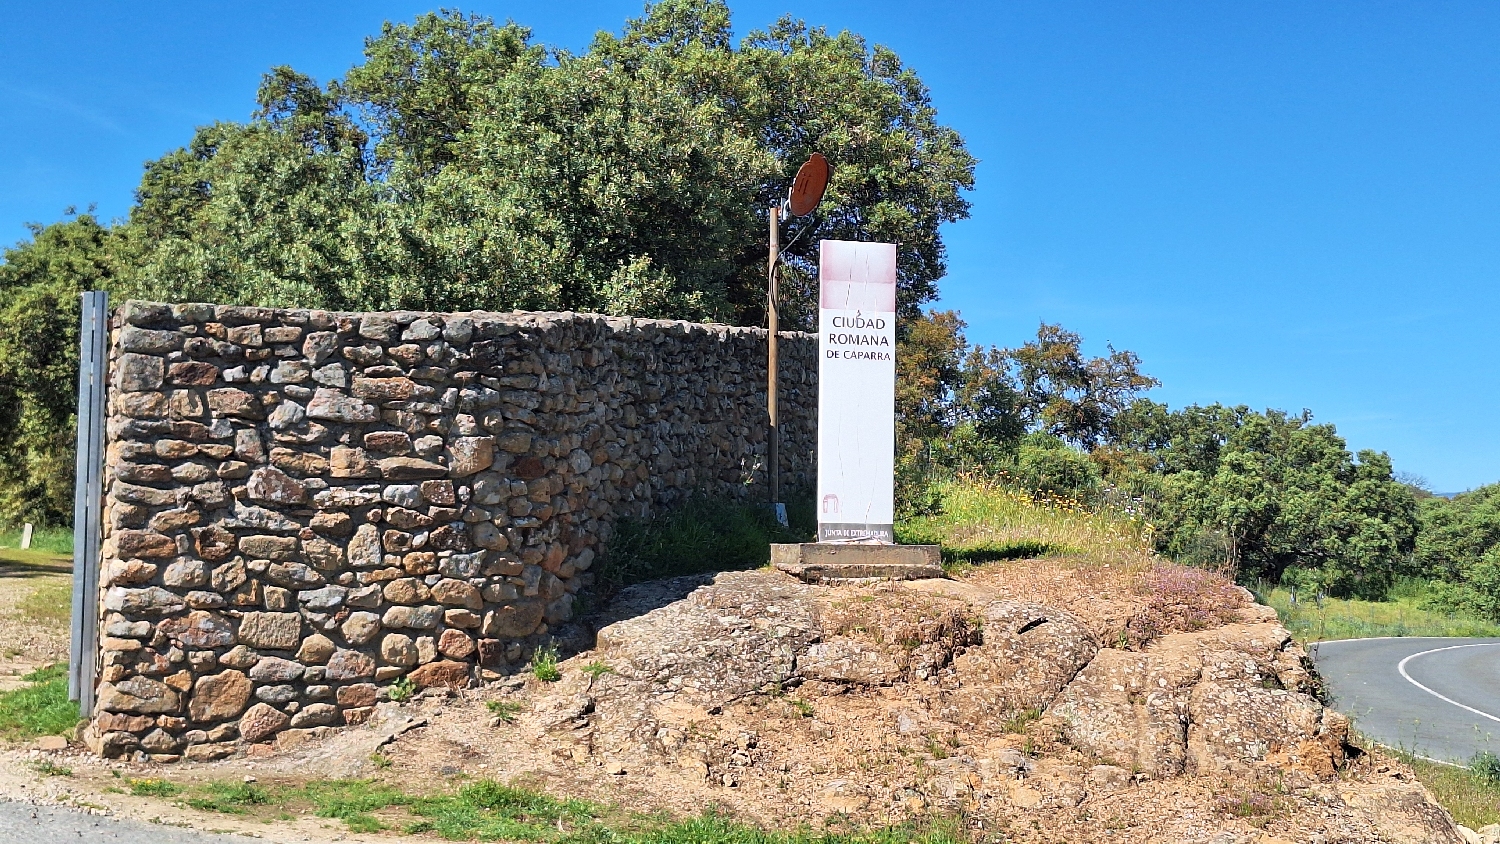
1401 666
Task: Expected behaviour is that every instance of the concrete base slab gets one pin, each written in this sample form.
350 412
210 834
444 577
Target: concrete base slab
828 562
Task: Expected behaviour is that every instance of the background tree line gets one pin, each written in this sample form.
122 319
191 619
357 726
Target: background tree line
461 165
1268 495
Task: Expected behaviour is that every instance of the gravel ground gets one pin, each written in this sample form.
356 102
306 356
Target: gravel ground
33 613
27 823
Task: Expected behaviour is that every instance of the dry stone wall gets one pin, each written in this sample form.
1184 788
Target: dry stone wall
304 508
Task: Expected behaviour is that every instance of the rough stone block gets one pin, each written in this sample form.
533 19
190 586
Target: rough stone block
271 630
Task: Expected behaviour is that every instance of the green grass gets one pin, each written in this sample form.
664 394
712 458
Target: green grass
979 522
1338 618
45 540
491 811
1473 799
703 535
50 603
352 801
40 708
1017 723
233 798
153 788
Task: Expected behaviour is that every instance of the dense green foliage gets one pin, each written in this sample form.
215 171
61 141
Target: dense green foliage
463 166
40 281
1266 495
1459 548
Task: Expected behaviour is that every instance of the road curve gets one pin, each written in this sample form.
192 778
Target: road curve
28 823
1436 697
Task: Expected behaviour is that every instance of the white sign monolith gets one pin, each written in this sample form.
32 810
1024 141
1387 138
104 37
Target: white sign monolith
856 391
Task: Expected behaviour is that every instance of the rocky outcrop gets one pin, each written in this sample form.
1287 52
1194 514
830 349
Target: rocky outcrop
300 503
1221 699
890 701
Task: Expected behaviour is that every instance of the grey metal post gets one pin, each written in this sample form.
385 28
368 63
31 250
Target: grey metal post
88 498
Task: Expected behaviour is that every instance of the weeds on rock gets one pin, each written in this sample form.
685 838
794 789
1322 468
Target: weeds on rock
505 710
544 664
597 668
1252 807
1017 723
402 690
1182 599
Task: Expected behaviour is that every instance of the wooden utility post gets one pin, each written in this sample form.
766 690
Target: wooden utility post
773 442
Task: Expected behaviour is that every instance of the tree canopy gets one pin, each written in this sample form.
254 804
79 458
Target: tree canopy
462 165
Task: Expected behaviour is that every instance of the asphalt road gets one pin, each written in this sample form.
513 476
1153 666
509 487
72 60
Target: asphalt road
25 823
1438 698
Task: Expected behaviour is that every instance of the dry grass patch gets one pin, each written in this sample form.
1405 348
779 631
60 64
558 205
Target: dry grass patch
981 521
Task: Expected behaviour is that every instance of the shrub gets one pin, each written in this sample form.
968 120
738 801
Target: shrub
1486 766
544 664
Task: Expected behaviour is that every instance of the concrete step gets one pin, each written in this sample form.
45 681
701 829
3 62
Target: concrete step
829 562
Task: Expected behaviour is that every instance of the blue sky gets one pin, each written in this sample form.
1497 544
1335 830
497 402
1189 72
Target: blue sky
1281 204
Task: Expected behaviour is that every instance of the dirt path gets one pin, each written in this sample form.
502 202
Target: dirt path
34 595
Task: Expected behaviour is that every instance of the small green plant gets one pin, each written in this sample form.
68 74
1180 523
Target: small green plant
598 668
402 690
153 788
544 664
937 749
505 710
231 798
48 768
1017 723
801 707
380 760
1486 766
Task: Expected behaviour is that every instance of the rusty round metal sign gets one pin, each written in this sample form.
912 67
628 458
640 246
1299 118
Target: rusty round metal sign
808 187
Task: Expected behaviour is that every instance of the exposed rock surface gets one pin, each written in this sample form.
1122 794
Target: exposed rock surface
789 703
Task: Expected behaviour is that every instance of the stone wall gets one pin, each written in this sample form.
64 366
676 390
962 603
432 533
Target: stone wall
304 508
